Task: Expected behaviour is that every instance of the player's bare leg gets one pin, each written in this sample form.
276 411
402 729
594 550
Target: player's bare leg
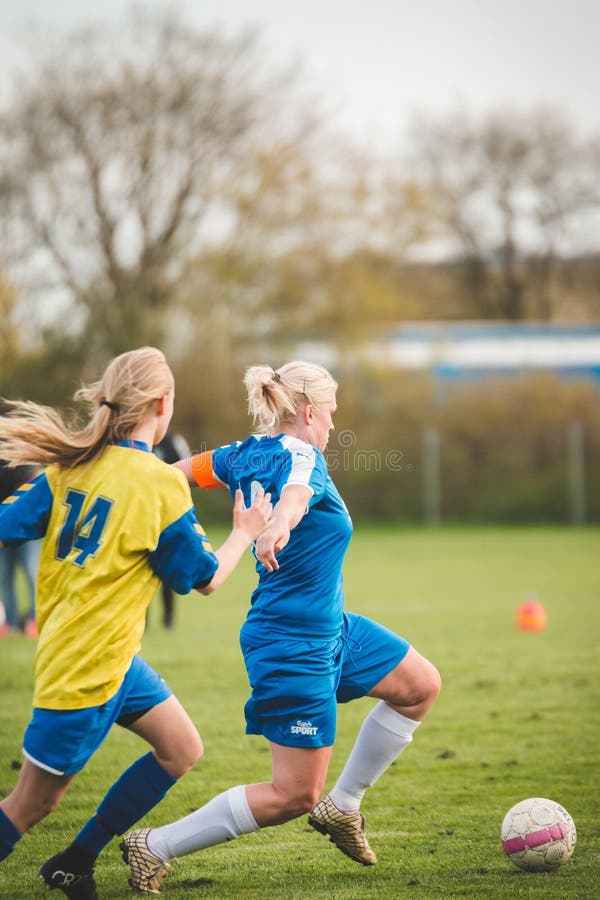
406 693
297 783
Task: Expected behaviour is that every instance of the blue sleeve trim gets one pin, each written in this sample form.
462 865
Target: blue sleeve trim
183 558
24 516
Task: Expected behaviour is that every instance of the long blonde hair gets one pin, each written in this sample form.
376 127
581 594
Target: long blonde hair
275 396
36 435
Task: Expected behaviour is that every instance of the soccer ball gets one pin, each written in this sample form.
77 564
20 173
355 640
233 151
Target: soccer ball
538 835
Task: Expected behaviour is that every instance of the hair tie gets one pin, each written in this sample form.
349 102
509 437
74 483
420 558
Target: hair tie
276 377
112 406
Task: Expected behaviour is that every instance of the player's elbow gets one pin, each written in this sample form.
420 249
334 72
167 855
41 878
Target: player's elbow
211 586
207 589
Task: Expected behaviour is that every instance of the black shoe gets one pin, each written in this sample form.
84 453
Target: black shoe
75 885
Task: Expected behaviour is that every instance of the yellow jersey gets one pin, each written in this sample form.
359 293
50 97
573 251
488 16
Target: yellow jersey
112 530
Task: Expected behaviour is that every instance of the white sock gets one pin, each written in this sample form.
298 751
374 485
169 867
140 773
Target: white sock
383 736
223 818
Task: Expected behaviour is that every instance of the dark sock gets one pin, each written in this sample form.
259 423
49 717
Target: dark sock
9 835
135 793
92 838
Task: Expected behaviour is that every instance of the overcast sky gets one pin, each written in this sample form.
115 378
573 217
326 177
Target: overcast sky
379 61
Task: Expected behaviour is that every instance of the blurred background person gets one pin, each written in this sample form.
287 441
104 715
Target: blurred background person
25 557
172 448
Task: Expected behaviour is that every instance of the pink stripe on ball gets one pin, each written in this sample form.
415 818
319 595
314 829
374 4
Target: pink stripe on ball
535 839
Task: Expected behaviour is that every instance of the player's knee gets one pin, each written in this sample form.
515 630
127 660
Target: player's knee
301 800
307 799
46 803
47 806
192 753
183 757
428 687
434 684
421 692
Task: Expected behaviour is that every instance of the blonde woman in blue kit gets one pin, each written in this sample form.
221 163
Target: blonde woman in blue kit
115 521
304 653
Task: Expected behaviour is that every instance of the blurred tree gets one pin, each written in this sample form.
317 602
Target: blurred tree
305 255
8 332
118 154
259 283
507 192
299 262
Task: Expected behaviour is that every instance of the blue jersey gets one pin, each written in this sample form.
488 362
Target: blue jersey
305 595
112 529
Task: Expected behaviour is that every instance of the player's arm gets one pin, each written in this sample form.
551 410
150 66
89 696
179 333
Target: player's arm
186 467
291 507
247 525
24 515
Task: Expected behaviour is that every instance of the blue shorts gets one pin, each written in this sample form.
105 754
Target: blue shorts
62 740
297 684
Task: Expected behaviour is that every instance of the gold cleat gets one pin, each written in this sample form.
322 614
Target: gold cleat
147 870
345 830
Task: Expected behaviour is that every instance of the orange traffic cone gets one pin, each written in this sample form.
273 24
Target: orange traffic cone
531 616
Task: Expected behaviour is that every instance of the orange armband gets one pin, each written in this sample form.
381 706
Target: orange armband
202 470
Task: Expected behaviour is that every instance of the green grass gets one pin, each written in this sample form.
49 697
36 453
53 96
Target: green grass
519 716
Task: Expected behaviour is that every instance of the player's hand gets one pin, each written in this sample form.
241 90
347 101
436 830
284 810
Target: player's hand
271 541
255 518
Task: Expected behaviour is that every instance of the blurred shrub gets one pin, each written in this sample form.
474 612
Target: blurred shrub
504 448
504 452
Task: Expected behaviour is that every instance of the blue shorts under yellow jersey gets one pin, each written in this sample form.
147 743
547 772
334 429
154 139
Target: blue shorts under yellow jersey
305 595
112 530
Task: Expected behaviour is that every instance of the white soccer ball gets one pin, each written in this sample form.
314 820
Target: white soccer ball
538 835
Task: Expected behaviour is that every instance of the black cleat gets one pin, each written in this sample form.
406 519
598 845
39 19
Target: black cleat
75 885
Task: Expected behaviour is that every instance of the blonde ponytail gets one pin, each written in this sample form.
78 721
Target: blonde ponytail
275 396
36 435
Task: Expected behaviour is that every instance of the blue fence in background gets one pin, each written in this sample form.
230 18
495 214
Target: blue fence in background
469 351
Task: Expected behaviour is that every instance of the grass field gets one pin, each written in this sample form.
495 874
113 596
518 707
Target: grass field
519 716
